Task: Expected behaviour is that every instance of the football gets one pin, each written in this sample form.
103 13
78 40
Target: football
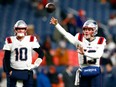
50 7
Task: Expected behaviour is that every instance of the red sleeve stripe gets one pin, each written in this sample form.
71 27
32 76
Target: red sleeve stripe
31 38
100 41
9 40
80 37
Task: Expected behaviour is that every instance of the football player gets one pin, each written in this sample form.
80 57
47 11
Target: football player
90 49
17 62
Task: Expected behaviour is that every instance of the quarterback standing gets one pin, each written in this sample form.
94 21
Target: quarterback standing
17 62
90 49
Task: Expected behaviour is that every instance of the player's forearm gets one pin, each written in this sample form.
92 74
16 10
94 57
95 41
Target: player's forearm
95 55
38 60
35 65
6 61
67 35
60 29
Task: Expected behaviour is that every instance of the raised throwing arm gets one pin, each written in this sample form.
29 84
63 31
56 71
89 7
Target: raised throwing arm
67 35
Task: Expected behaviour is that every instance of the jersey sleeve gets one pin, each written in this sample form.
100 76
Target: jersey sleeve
67 35
7 45
99 51
6 61
35 43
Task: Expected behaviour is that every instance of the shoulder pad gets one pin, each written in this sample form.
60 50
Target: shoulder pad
80 37
31 38
100 40
9 40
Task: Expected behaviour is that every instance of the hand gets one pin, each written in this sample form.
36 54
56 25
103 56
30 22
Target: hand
35 65
80 50
53 21
31 67
10 72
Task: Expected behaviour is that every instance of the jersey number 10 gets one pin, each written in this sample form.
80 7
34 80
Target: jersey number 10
21 54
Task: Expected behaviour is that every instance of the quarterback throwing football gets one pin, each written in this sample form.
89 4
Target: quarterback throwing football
90 49
17 60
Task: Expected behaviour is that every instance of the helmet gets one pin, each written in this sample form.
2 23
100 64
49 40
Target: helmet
20 24
91 24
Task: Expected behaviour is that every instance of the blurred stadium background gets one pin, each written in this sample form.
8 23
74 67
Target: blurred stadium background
59 53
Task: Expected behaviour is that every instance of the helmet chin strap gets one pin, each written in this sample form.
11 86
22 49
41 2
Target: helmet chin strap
20 34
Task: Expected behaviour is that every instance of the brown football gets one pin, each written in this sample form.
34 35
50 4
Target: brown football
50 7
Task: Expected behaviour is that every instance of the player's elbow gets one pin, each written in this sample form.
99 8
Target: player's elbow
40 52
